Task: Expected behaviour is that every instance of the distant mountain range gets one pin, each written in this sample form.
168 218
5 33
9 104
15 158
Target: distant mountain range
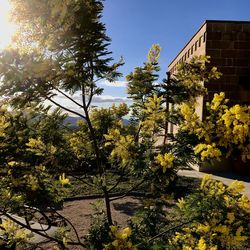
72 120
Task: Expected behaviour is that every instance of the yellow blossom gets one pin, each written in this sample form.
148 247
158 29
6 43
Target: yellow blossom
207 151
218 98
230 217
64 181
236 187
166 161
202 244
126 233
181 203
203 228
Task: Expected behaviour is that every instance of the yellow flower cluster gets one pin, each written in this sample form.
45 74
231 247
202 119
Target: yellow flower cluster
212 187
207 151
236 129
154 115
12 232
190 117
38 147
123 146
154 54
194 73
64 181
120 239
224 129
218 100
222 228
181 203
186 241
165 161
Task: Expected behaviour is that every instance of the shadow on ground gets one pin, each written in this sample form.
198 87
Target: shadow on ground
232 176
128 208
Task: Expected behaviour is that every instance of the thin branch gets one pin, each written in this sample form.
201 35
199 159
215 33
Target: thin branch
70 98
70 223
138 133
92 86
80 179
69 110
90 97
166 231
45 235
129 191
117 183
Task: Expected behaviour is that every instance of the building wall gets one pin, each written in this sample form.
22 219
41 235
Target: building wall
228 44
195 46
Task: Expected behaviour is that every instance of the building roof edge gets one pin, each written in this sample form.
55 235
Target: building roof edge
205 22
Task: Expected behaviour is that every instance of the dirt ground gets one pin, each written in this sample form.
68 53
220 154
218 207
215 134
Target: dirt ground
79 213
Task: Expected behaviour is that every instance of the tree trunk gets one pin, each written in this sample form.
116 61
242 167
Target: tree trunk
107 204
101 169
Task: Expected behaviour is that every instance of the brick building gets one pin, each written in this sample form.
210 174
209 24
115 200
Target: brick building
228 45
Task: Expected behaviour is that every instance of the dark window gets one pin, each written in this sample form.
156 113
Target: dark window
200 41
196 45
204 37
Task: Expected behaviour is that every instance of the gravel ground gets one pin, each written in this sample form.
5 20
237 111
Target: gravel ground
79 213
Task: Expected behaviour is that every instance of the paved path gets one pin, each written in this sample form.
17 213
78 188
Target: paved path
38 226
226 178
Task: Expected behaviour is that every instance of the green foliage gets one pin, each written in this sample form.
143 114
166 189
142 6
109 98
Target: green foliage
26 162
193 76
225 131
99 230
142 82
218 215
147 223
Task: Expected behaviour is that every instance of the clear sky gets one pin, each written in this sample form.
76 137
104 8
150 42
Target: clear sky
134 25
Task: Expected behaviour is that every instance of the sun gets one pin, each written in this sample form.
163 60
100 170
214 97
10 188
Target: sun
7 29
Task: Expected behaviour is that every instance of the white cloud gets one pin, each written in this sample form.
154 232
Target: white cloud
118 84
109 98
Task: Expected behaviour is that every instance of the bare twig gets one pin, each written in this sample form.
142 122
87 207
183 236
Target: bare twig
68 97
70 223
129 191
166 231
39 232
80 179
67 109
116 184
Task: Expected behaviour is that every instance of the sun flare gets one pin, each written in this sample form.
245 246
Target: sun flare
7 29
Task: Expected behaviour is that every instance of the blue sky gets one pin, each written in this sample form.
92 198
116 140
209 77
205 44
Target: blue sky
134 25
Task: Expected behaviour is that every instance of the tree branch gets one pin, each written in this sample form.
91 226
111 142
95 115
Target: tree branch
129 191
45 235
166 231
117 183
67 96
70 223
64 108
83 181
